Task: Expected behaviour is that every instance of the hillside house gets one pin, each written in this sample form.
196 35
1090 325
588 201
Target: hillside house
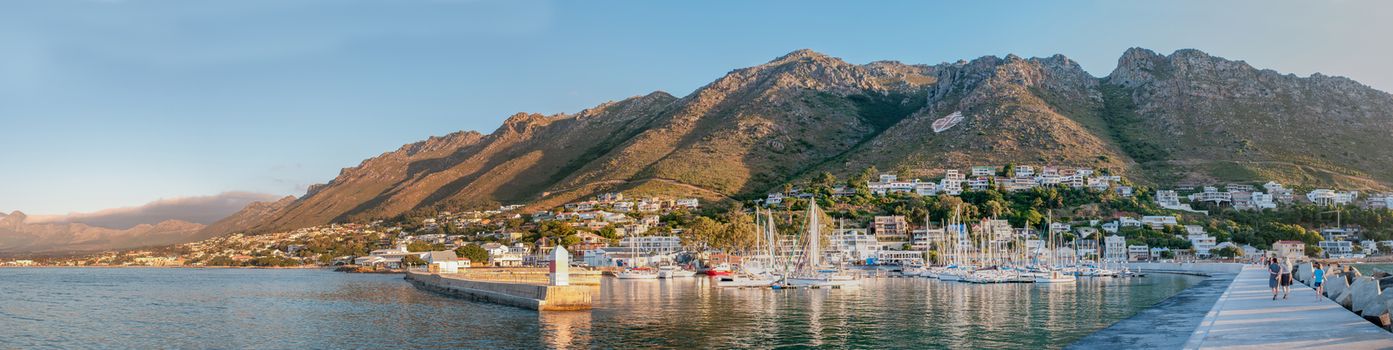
981 171
1212 195
1158 222
925 188
1331 197
1025 171
689 203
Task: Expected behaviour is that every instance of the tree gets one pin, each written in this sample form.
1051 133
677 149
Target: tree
608 232
420 246
1166 254
1228 252
739 231
473 252
412 260
555 230
702 232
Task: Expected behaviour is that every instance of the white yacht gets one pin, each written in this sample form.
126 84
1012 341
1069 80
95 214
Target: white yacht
673 271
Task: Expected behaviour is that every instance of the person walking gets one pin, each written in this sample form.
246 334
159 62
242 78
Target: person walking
1317 279
1286 277
1274 272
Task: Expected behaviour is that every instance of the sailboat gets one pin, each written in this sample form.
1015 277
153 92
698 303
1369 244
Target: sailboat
755 272
1051 274
811 273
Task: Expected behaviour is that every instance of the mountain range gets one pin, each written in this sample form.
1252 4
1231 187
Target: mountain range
21 237
161 222
1186 117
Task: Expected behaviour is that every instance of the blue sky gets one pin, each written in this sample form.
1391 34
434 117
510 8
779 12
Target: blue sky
120 102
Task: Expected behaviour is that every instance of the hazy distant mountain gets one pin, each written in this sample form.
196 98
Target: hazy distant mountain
1187 116
17 236
196 209
162 222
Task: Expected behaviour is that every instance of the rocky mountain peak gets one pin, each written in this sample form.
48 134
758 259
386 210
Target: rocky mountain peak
522 123
799 55
15 216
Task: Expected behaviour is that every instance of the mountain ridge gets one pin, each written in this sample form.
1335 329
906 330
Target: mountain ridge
1187 116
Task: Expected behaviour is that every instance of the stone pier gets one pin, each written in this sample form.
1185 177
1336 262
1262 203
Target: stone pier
535 296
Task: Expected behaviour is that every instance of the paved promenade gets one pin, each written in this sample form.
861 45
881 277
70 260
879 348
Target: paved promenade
1246 317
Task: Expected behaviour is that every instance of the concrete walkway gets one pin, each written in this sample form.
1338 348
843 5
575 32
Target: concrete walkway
1246 317
1166 325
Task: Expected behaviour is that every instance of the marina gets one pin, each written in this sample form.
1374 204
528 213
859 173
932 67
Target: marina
141 307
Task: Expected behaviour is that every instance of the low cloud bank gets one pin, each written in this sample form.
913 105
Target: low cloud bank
197 209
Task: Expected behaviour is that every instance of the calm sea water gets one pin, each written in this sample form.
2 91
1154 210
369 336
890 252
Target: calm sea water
274 309
1368 269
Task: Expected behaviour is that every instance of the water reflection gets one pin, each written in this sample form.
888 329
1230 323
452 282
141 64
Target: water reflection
565 330
191 308
903 312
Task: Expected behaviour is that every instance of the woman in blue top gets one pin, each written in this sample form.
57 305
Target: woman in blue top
1318 278
1273 272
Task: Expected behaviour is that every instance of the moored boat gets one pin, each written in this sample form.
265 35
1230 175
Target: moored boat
637 274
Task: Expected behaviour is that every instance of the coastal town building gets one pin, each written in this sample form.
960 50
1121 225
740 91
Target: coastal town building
901 257
1140 252
1289 249
1114 248
1202 244
1368 247
1336 249
442 261
891 231
853 245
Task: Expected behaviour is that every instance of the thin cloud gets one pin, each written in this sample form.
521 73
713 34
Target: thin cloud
196 209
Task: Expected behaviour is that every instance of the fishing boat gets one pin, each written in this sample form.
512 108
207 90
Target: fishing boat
722 269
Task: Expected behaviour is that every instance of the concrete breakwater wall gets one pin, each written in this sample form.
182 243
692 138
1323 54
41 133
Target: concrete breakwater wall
1196 268
533 296
1366 296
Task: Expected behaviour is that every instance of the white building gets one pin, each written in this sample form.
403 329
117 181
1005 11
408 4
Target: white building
1202 243
1111 227
1158 222
1331 197
1127 221
1336 249
925 188
774 199
1025 171
652 244
1212 195
692 203
1167 199
1264 201
979 171
1114 249
444 261
1289 249
854 244
1138 252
